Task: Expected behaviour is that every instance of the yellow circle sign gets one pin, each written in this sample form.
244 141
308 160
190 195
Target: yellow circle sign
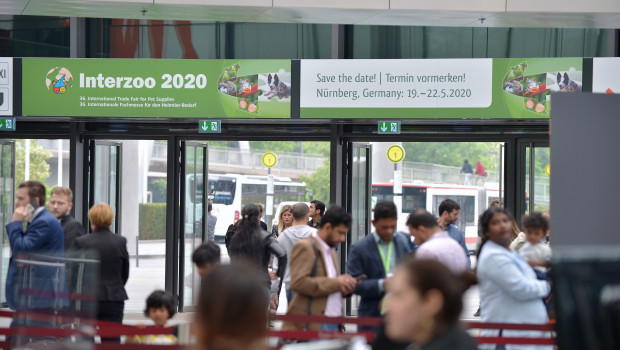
269 159
396 154
548 169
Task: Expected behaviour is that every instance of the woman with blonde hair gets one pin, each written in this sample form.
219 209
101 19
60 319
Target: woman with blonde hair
285 220
113 257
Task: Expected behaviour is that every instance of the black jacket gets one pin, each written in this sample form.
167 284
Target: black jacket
73 229
271 247
113 262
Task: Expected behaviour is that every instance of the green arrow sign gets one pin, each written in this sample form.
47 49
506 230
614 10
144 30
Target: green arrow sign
388 127
7 124
210 126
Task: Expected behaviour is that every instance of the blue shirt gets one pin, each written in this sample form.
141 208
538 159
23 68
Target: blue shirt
458 235
510 292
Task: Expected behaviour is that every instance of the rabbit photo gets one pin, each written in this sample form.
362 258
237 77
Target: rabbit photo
277 88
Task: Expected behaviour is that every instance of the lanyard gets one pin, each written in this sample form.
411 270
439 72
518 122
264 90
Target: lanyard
386 262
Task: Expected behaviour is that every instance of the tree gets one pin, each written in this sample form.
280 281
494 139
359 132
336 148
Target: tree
39 168
318 182
158 189
453 153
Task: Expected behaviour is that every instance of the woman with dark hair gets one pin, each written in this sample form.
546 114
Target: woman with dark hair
424 305
251 244
509 290
231 315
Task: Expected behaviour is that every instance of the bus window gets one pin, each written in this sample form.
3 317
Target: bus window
468 209
253 193
383 193
221 190
413 198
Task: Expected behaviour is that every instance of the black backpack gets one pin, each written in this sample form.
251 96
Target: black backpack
229 233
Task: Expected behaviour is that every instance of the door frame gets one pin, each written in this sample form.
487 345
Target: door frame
89 195
348 194
521 205
182 200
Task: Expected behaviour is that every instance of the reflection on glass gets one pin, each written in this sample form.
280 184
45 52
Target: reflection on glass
541 189
106 158
194 222
7 197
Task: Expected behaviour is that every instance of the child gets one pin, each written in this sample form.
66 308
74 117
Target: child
159 308
206 257
534 250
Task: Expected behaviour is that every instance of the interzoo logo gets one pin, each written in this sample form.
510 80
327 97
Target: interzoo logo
59 80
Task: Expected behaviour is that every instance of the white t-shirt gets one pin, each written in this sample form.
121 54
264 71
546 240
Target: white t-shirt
537 252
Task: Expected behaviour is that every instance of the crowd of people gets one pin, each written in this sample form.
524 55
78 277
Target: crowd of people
414 281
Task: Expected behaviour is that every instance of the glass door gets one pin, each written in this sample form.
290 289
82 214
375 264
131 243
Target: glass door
194 179
358 201
7 197
105 159
537 176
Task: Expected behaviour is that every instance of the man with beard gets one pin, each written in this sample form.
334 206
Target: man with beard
315 278
448 214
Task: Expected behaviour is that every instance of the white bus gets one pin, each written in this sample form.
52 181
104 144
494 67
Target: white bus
230 192
473 200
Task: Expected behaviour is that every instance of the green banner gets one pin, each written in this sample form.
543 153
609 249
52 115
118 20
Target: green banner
156 88
431 89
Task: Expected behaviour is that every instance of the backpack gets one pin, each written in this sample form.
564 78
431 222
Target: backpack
228 237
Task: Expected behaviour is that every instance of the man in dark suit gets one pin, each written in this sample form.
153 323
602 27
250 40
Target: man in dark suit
43 235
61 202
376 256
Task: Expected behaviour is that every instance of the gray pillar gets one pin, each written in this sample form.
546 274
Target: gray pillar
130 190
336 164
612 42
337 41
584 178
77 171
77 37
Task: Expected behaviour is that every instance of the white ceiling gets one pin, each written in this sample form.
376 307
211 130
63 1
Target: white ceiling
457 13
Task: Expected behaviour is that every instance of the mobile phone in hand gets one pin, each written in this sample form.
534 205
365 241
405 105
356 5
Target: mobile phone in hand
32 206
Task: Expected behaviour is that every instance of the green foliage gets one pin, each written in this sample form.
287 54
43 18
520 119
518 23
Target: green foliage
158 189
39 168
276 146
316 147
152 221
318 182
453 153
541 159
223 144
